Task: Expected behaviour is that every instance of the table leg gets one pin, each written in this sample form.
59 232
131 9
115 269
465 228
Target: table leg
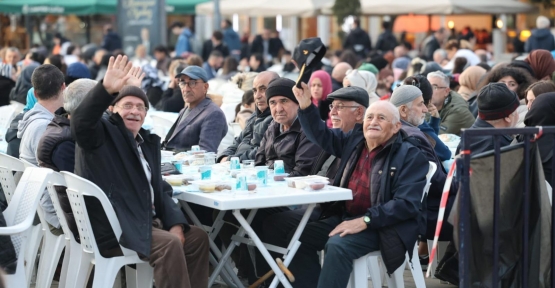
246 226
228 274
295 243
241 232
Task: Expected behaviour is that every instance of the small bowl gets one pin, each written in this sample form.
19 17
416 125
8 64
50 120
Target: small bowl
280 176
207 188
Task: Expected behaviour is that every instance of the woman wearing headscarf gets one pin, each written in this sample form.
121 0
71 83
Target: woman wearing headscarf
542 113
320 87
364 80
468 81
517 80
542 63
23 84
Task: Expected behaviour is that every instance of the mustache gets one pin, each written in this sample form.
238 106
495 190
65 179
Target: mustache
374 127
133 117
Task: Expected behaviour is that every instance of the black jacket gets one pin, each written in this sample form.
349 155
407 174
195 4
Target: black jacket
56 150
208 47
431 46
481 144
247 143
359 42
436 188
107 155
111 41
171 101
292 146
386 41
397 182
274 46
6 86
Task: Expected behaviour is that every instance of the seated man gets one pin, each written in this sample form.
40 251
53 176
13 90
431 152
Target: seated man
497 108
246 144
56 148
284 139
410 103
124 161
387 175
201 122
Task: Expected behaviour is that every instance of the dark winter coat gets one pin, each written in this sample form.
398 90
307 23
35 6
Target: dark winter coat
540 39
107 155
398 178
111 41
11 136
274 46
56 150
171 101
386 41
247 143
359 42
292 146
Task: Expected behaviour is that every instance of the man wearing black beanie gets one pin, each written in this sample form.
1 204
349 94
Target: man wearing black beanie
496 109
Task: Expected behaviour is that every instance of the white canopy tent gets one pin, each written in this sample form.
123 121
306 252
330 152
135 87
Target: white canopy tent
440 7
266 8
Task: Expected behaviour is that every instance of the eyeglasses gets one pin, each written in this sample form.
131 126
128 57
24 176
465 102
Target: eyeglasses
139 107
191 83
435 87
341 106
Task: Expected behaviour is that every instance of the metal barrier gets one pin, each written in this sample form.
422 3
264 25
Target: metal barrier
463 163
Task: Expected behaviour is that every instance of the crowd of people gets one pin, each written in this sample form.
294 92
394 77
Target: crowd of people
369 119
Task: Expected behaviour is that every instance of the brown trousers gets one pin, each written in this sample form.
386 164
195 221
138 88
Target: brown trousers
177 265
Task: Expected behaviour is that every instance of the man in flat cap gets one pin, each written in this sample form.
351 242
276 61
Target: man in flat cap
201 122
124 161
409 101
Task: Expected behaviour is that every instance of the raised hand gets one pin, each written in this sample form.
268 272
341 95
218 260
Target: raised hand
136 77
117 74
302 95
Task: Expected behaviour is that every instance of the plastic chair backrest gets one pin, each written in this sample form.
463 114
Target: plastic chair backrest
57 179
27 163
431 172
26 200
160 125
77 188
7 113
8 180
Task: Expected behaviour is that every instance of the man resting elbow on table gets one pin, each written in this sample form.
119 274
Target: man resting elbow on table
201 122
387 175
124 161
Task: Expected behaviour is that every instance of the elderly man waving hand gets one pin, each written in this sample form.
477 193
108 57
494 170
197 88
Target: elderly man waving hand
386 173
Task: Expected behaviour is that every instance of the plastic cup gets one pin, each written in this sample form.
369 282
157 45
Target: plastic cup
178 165
278 167
205 172
242 182
262 174
195 148
248 164
234 163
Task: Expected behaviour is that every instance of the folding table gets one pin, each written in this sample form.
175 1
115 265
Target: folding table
274 195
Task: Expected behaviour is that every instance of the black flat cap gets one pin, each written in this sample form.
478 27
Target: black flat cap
351 93
308 55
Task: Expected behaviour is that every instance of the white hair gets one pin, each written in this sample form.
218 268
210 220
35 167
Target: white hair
388 106
440 75
442 52
76 92
542 22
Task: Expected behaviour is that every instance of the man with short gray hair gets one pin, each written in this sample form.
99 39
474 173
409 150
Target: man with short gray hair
440 57
541 37
453 109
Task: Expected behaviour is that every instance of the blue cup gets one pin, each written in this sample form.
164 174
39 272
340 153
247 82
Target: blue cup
262 174
206 172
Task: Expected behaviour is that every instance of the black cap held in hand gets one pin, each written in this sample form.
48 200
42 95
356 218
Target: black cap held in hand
308 55
496 101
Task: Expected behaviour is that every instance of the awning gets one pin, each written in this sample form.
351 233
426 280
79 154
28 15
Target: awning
266 8
440 7
85 7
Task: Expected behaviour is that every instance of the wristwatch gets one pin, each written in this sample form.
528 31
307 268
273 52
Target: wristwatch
366 220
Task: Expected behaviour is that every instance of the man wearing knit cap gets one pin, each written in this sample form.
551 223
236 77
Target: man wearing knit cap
284 139
496 109
201 122
124 161
410 103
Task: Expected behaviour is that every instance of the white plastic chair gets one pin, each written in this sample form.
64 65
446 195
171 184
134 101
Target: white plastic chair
369 261
7 113
9 181
52 247
19 219
106 269
160 126
18 107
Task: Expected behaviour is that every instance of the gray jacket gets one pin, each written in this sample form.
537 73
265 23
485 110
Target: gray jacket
205 126
30 131
246 144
